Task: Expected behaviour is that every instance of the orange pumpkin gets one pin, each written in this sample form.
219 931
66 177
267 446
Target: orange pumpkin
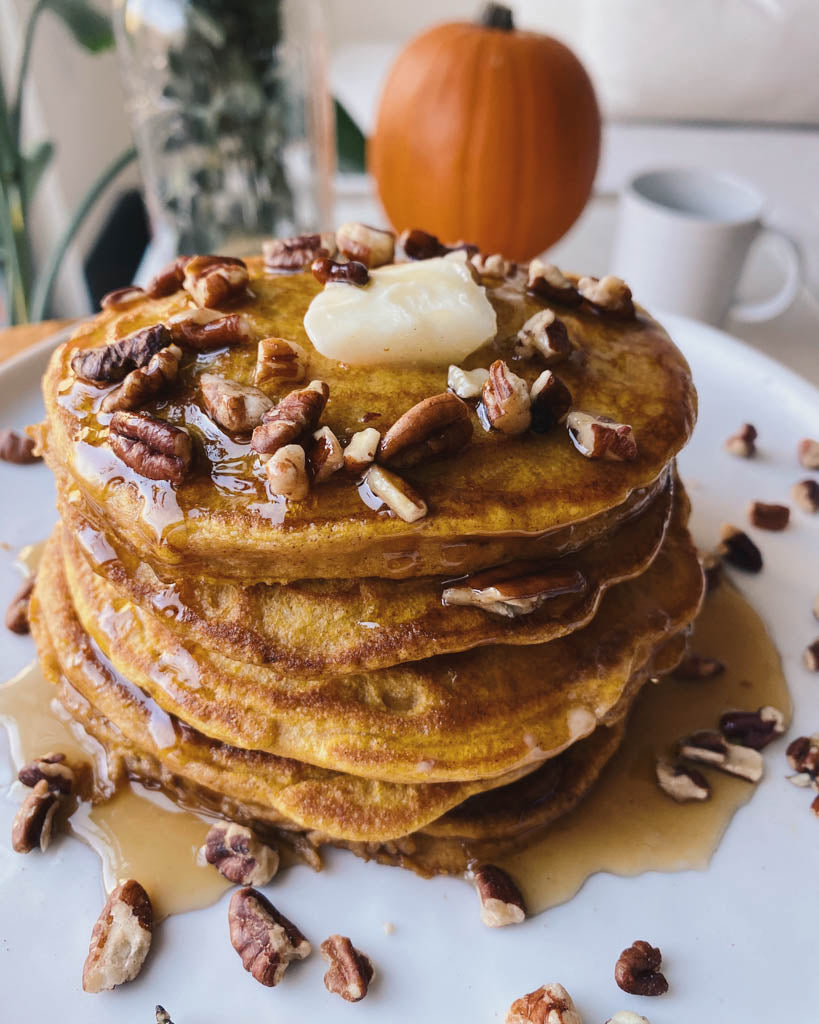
488 135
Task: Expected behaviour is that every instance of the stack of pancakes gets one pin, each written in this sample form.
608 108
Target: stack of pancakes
291 665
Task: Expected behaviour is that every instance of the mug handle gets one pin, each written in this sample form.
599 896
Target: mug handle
767 309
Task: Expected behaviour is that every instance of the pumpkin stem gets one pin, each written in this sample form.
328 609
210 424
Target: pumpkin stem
497 16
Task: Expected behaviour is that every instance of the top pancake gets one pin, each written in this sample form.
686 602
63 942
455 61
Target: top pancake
501 498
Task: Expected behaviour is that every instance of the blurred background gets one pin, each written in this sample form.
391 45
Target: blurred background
227 104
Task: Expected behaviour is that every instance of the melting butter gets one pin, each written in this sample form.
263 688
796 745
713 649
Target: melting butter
428 312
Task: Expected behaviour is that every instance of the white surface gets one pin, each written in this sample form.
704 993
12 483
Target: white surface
738 939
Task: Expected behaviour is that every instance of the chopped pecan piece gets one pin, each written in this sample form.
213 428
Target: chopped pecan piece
399 496
143 384
697 666
107 364
806 495
545 334
296 414
371 246
153 448
810 656
514 589
278 361
327 271
361 449
609 295
162 1015
737 548
466 383
238 408
33 823
681 783
808 453
238 854
122 297
265 940
551 402
712 570
627 1017
708 747
501 900
120 940
506 401
637 970
493 265
17 611
324 455
350 973
297 253
547 282
753 728
51 769
420 245
550 1004
803 754
742 443
431 429
168 280
16 448
213 281
287 472
204 329
598 437
768 517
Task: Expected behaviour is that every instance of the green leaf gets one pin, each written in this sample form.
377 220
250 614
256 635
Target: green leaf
89 27
33 167
350 145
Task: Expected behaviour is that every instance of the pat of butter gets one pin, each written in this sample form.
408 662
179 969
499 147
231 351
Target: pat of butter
426 312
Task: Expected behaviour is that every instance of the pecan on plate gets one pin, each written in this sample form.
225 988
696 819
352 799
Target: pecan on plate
17 611
548 282
505 400
122 297
237 853
743 442
806 495
545 334
466 383
297 253
265 940
361 450
681 783
637 970
807 452
33 823
296 414
287 473
120 940
551 402
431 429
168 280
371 246
709 747
628 1017
204 329
492 265
598 437
328 271
501 900
517 588
350 973
278 361
162 1015
143 384
153 448
421 245
400 497
765 516
737 548
550 1004
753 728
238 408
108 364
17 448
213 281
324 455
609 295
52 769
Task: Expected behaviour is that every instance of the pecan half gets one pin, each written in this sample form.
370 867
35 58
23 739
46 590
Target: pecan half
399 496
805 494
742 443
296 414
33 823
153 448
265 940
371 246
681 783
238 854
204 329
598 437
548 282
51 769
810 656
327 271
514 589
213 281
608 295
550 1004
168 280
121 297
107 364
278 360
236 407
753 728
298 252
466 383
17 611
501 900
120 940
506 401
737 548
696 666
16 448
141 385
324 455
551 402
709 747
545 334
768 517
361 449
431 429
350 973
807 452
637 970
287 474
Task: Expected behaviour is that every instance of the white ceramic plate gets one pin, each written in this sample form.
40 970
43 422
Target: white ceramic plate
738 940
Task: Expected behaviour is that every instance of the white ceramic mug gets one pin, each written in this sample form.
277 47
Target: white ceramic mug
682 240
